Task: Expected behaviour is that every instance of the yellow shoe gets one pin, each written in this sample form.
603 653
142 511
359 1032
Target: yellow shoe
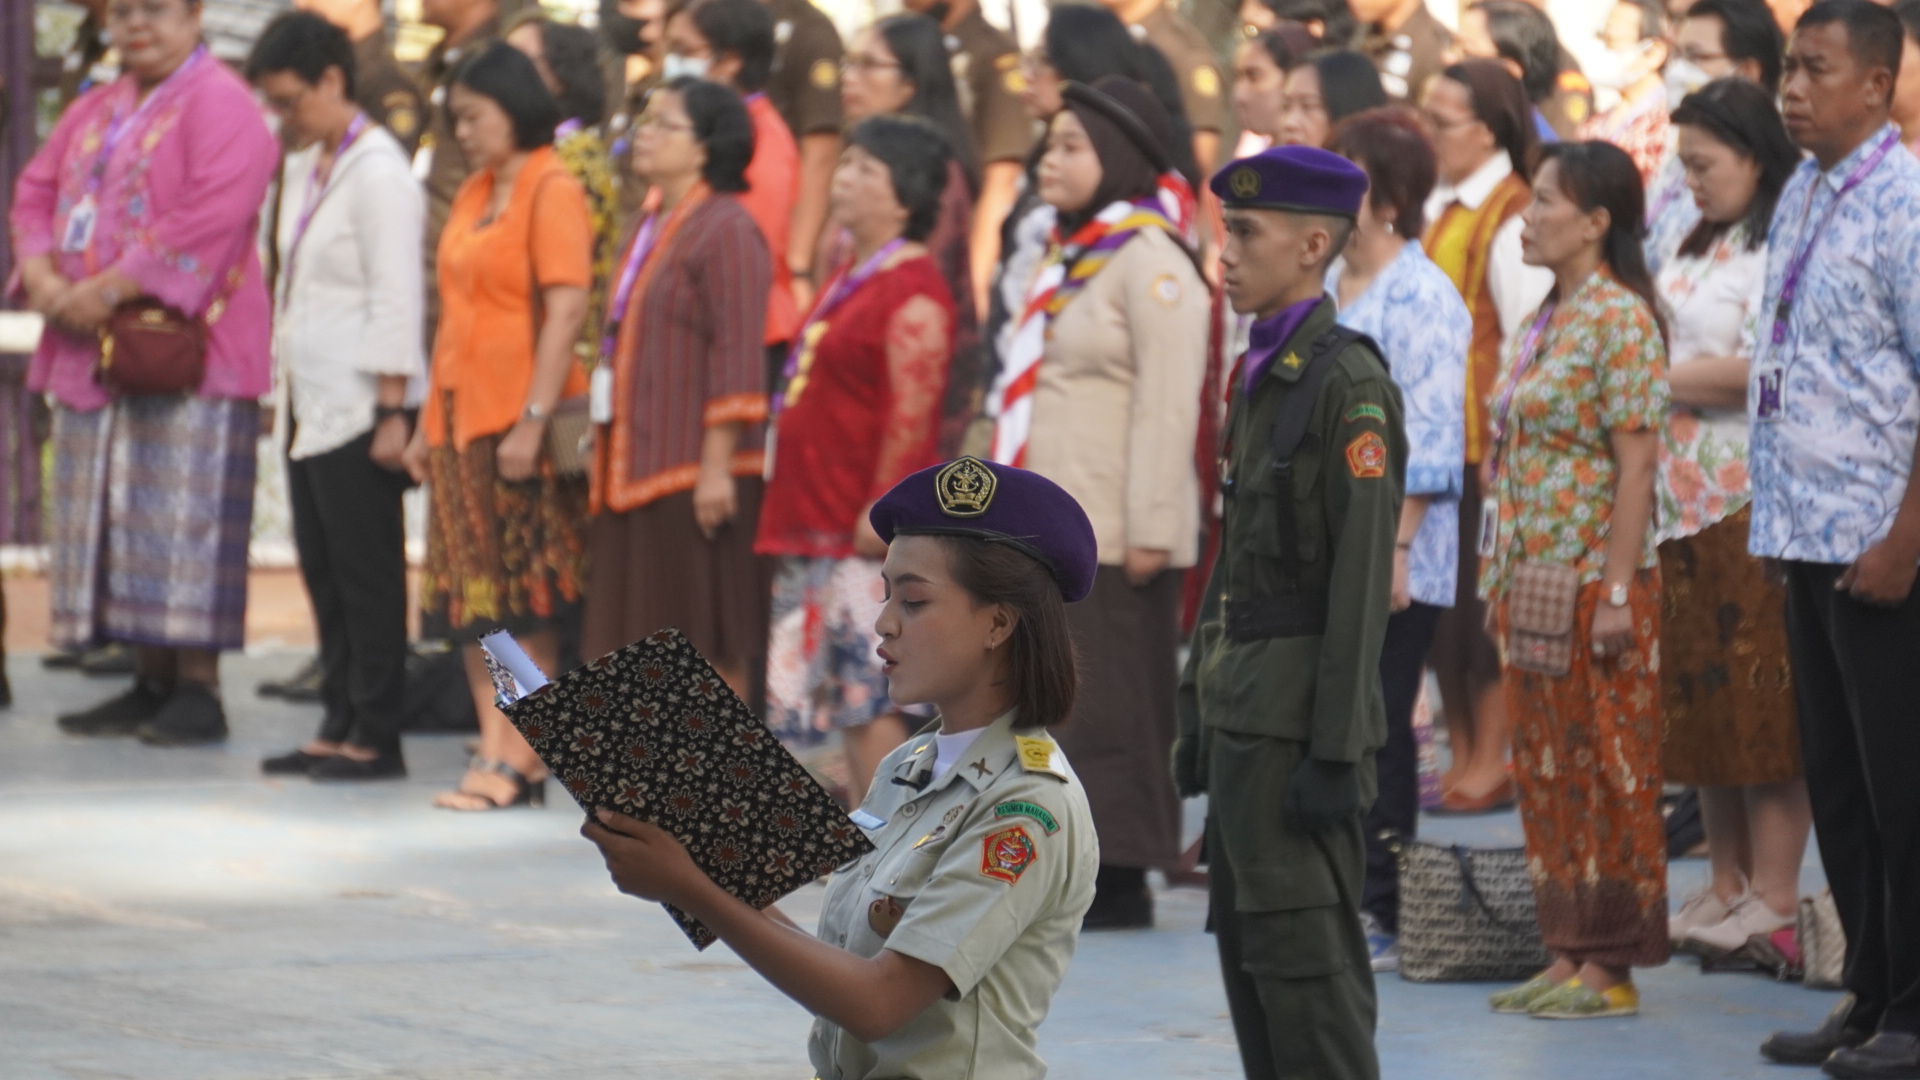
1520 999
1578 1001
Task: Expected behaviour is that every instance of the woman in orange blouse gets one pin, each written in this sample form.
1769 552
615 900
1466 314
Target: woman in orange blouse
504 544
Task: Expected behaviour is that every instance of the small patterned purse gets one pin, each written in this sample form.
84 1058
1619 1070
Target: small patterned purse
1466 914
1540 606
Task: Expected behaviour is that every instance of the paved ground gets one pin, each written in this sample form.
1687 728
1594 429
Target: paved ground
171 914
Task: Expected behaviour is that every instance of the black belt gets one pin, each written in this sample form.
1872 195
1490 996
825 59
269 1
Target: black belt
1258 618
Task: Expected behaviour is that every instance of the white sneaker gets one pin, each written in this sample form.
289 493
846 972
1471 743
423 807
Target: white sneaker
1382 946
1702 908
1750 916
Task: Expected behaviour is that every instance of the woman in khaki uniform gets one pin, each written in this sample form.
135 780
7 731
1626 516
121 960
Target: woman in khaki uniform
1100 392
939 952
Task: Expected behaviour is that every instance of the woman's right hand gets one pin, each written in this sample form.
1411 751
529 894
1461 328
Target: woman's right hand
715 501
414 457
45 286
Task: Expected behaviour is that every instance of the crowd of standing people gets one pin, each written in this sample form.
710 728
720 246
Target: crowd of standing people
1611 384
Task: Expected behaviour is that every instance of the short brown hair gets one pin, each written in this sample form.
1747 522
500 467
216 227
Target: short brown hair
1390 145
1045 673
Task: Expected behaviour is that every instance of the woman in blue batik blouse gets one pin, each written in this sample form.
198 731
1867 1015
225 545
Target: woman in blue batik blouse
1388 289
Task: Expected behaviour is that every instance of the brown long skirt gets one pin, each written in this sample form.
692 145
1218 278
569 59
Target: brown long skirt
1725 679
651 569
1120 736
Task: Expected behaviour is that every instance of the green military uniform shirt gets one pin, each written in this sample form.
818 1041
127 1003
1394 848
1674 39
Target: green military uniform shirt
384 92
1202 92
804 84
986 69
983 872
1317 682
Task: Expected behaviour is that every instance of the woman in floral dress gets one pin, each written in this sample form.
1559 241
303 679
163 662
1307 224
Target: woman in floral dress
1575 448
1725 681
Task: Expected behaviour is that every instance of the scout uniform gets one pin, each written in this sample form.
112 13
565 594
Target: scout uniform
1285 664
805 81
1193 63
986 70
384 92
983 870
1409 56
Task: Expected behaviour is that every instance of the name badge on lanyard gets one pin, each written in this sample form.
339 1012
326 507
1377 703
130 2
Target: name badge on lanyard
79 232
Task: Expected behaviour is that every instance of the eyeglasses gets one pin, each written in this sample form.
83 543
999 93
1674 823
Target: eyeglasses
144 11
285 104
867 65
1441 124
656 122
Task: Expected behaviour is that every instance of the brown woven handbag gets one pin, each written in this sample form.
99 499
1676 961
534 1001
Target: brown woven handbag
1540 605
147 347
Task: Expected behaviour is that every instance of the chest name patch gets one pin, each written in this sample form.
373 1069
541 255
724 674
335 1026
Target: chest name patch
1006 854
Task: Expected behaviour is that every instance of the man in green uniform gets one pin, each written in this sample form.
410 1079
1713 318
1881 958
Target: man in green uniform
1280 704
380 88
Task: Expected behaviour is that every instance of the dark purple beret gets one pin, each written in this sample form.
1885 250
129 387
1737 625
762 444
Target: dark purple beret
1303 179
1024 510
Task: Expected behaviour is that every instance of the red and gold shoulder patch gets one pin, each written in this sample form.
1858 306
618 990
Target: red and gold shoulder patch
1367 456
1006 854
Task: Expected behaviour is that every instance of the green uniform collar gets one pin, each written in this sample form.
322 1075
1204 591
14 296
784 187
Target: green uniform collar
1299 347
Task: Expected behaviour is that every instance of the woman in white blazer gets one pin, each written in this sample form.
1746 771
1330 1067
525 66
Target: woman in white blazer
350 368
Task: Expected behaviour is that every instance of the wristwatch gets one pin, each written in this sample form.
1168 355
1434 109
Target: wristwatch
536 414
1617 596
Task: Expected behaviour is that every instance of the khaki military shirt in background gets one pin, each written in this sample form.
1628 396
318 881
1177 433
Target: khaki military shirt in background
1410 56
439 162
986 70
984 873
385 93
1202 91
86 63
805 82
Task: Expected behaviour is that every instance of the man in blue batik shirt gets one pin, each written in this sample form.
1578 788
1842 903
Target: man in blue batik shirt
1834 397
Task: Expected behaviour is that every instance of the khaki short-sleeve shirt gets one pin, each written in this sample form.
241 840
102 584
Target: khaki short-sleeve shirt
1202 91
984 873
986 69
805 82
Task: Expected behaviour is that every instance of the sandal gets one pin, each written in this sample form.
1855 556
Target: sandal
1576 1000
1519 999
526 792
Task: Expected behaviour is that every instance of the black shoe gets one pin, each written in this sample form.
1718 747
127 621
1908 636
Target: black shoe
192 715
1890 1055
294 763
1816 1046
119 715
1120 901
341 768
113 658
301 686
62 658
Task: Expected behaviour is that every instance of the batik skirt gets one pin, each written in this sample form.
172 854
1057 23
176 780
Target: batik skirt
149 511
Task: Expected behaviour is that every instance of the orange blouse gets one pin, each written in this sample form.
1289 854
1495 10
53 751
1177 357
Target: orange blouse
483 352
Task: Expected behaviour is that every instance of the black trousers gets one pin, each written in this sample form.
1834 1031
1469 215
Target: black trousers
1403 662
347 527
1856 673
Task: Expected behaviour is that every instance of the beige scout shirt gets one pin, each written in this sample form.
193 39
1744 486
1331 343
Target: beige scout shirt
984 873
1116 409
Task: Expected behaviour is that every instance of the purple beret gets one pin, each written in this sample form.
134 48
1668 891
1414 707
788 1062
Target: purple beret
1303 179
987 501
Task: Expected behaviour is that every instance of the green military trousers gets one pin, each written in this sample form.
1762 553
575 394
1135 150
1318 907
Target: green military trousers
1285 912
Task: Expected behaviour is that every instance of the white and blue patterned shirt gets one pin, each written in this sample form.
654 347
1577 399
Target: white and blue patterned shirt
1413 312
1829 472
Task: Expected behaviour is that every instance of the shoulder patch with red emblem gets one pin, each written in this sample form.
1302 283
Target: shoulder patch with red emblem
1367 456
1005 855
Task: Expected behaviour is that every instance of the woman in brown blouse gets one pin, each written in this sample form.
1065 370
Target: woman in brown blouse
680 399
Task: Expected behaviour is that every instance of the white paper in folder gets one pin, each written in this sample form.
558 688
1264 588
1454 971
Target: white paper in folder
20 331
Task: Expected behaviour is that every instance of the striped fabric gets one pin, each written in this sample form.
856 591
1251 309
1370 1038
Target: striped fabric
1068 267
1459 243
691 356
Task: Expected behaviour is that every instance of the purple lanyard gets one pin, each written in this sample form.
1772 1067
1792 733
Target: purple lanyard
1667 199
118 123
318 185
629 273
842 288
1529 348
567 127
1808 237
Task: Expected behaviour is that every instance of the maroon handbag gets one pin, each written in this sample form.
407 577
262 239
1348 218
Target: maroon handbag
147 347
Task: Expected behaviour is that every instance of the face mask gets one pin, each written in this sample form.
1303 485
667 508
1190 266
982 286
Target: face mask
1683 78
1617 69
675 66
621 32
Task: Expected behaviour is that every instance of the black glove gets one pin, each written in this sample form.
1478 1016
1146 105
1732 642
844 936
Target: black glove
1321 794
1188 778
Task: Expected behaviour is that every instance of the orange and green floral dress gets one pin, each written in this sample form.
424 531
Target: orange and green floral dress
1586 753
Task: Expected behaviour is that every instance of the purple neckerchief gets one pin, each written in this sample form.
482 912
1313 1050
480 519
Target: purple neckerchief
1266 337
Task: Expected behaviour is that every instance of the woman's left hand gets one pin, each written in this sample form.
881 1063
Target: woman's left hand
82 309
519 452
1143 564
715 501
644 860
1402 580
1612 630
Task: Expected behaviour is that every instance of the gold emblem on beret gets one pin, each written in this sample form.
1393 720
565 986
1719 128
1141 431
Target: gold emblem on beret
965 488
1206 82
824 74
1244 183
